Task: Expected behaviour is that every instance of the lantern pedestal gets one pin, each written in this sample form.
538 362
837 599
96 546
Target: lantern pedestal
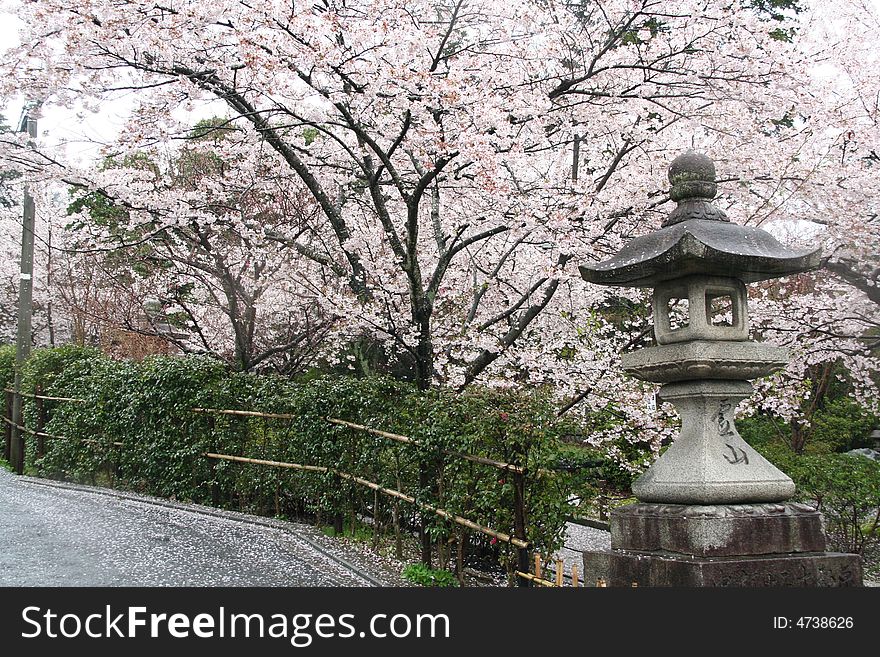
709 463
754 545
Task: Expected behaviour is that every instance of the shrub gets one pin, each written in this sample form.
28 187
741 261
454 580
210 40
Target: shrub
844 487
7 365
423 576
840 425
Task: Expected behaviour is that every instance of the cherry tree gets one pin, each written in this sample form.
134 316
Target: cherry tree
217 279
428 175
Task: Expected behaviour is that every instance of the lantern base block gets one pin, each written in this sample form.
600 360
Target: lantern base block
746 545
806 570
718 530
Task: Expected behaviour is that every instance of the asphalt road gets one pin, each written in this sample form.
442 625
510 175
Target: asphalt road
52 536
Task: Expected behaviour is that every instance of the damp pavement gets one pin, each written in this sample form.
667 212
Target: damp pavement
67 535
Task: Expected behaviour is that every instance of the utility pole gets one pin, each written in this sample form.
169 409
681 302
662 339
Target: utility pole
25 302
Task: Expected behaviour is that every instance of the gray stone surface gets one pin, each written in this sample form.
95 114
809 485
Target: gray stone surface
872 454
709 462
827 569
597 567
692 176
700 246
717 530
702 359
699 290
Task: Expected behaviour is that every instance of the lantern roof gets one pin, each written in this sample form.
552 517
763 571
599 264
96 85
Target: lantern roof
698 238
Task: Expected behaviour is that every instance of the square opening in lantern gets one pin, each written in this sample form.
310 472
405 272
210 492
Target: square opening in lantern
720 310
725 308
677 313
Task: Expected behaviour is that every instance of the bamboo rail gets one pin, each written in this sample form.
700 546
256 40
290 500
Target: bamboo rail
277 464
535 579
501 465
443 513
30 431
406 439
47 397
222 411
55 436
376 432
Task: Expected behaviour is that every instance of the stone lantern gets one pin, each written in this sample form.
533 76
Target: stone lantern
712 510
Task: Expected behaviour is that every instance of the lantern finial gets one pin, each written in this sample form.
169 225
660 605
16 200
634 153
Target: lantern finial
692 176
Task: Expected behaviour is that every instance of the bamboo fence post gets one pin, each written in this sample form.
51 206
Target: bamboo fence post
7 447
461 548
212 441
519 525
352 490
377 526
240 427
537 565
439 486
574 575
559 572
41 421
395 511
338 517
424 535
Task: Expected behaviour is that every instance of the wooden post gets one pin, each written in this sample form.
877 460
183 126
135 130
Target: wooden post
41 421
537 565
8 427
395 510
574 575
212 441
559 572
519 525
444 545
395 519
424 536
461 548
601 583
377 520
17 444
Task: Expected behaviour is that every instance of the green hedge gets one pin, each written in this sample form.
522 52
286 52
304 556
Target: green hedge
844 487
841 424
7 365
147 406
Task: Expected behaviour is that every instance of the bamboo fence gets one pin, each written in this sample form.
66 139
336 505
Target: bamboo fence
522 572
